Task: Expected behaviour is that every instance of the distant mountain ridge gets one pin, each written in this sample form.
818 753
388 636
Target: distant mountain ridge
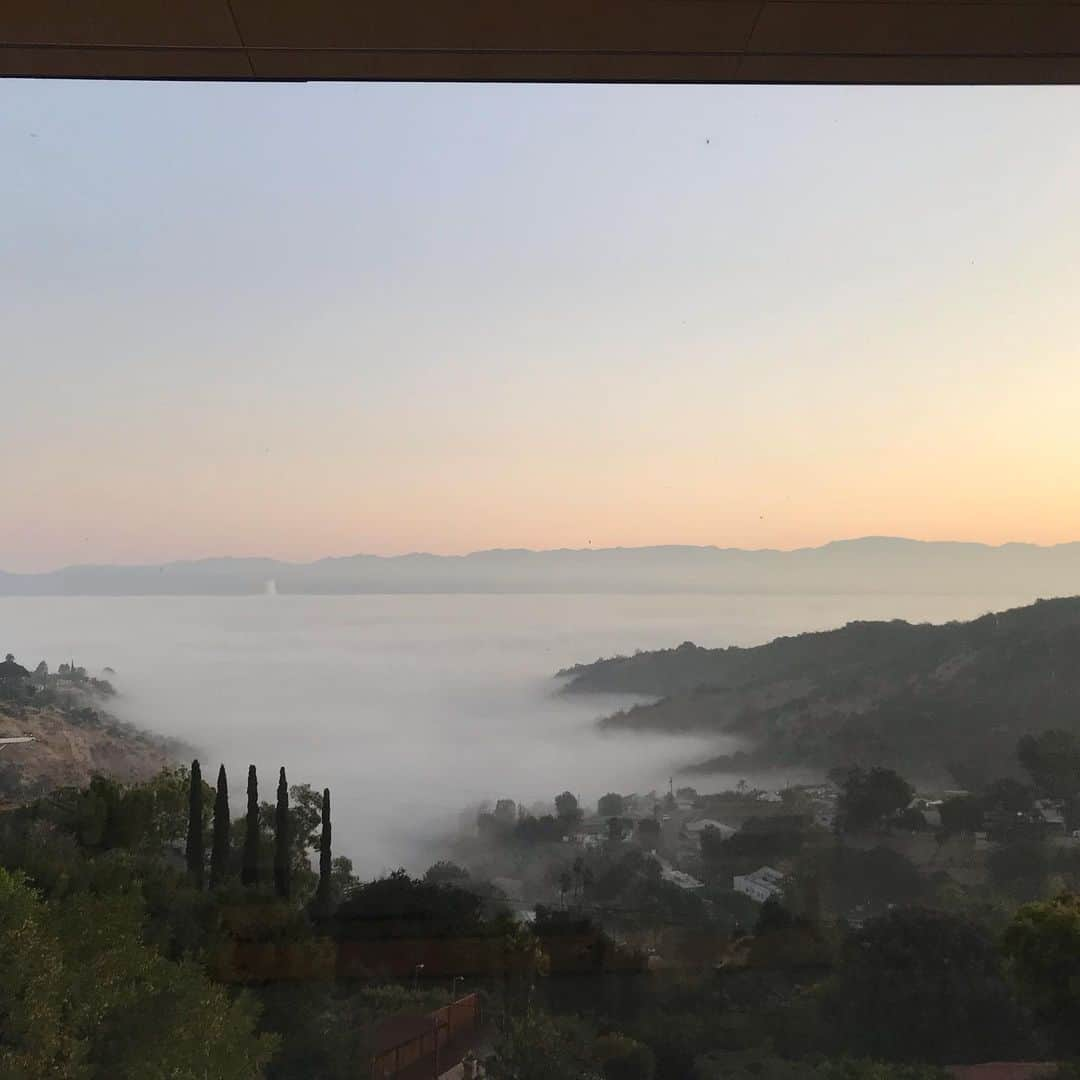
867 564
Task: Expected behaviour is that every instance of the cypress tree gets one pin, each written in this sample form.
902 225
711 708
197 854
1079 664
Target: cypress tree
281 838
322 894
249 871
219 853
194 849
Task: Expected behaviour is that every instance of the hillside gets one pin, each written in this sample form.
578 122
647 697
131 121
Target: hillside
71 745
936 701
869 564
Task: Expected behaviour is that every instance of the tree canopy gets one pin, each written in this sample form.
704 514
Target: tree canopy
82 997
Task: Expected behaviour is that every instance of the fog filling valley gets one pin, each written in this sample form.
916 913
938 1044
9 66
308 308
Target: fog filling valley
414 709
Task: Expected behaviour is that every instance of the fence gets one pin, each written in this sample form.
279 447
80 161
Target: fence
424 1046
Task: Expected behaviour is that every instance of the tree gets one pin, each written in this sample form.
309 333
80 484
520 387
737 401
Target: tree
753 1065
1052 760
566 808
537 1047
565 882
323 894
194 850
1042 948
400 906
918 985
649 832
219 851
445 872
249 872
282 856
1019 868
867 798
623 1058
611 805
1006 796
82 996
961 815
614 830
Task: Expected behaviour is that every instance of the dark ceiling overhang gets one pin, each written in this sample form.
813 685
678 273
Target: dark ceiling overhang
804 41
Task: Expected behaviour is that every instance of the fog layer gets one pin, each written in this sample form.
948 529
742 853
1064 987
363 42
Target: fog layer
412 707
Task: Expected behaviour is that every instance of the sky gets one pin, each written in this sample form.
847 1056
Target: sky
307 320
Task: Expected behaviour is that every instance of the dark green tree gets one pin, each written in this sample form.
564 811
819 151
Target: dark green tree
962 815
249 871
649 832
82 994
282 858
1042 947
566 807
869 797
1052 760
219 852
1006 796
917 985
326 862
194 848
1019 868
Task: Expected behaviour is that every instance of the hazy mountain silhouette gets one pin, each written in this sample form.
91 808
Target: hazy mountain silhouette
869 564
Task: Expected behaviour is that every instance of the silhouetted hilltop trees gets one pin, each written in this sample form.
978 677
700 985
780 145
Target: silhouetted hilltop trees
220 851
249 873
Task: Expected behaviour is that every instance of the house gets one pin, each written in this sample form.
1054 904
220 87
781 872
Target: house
587 839
763 884
1052 813
678 877
669 874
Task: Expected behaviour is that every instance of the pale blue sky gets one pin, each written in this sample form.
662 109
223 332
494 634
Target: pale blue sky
300 320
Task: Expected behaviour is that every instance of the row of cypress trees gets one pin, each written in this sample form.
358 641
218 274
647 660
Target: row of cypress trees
249 866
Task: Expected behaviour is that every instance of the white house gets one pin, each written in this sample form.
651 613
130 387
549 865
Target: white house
763 884
669 874
1052 813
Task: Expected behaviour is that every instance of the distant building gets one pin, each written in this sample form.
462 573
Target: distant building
1052 813
683 880
588 839
763 884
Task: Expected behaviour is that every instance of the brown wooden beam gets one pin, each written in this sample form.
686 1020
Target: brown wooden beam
803 41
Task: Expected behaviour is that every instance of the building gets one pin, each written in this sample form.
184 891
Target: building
763 884
672 876
680 878
1052 813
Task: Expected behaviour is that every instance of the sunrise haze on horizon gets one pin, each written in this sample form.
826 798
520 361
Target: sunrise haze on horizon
301 321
